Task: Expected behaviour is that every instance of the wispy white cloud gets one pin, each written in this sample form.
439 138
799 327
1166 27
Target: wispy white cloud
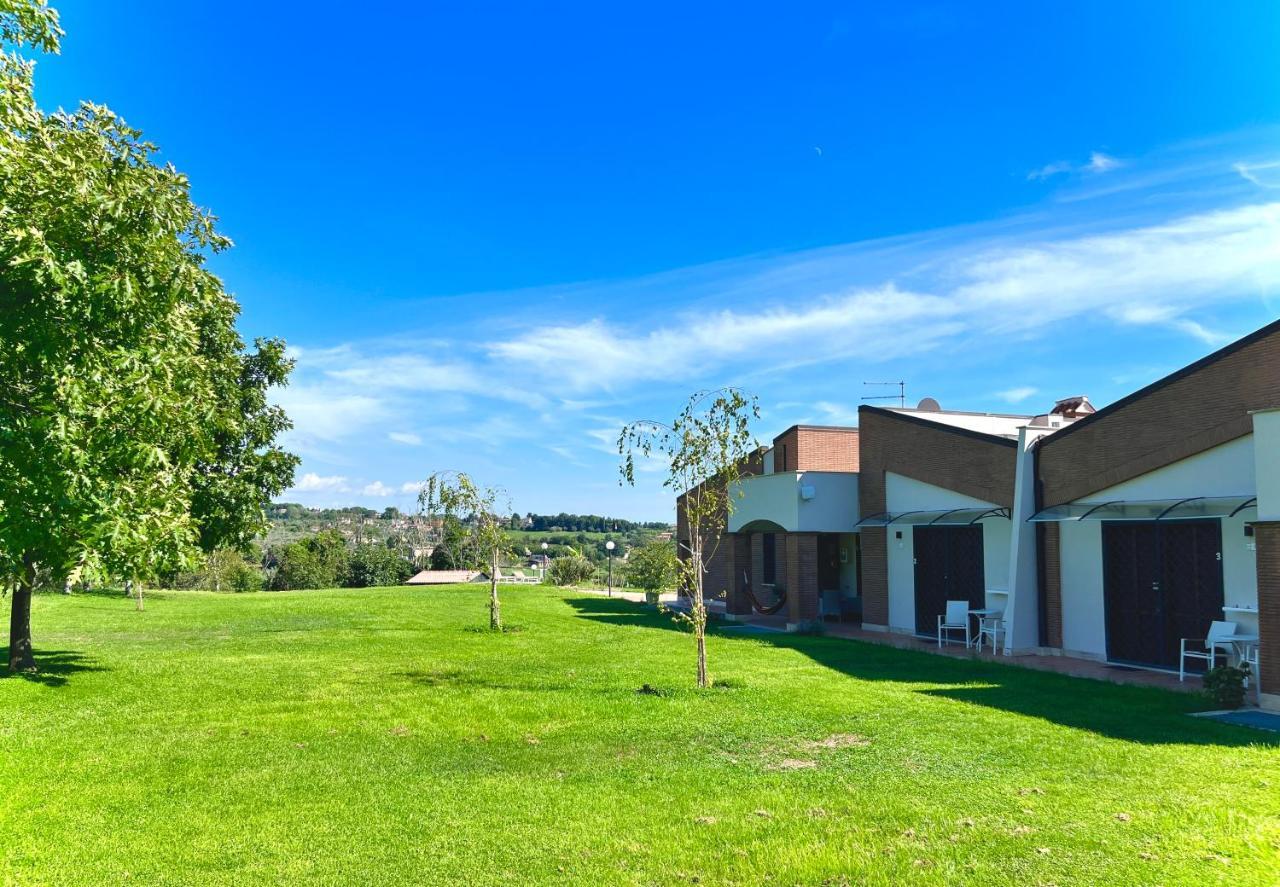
1264 175
837 413
322 414
1151 274
1017 395
596 355
378 489
1099 162
405 437
1096 164
413 486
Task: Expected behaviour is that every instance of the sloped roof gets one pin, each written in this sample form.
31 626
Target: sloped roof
442 577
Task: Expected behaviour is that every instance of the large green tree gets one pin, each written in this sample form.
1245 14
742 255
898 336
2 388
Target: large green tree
135 429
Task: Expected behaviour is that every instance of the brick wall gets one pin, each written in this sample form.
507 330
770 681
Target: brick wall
816 448
717 578
785 447
875 575
1196 408
1049 539
968 462
827 449
802 577
757 560
1267 537
739 559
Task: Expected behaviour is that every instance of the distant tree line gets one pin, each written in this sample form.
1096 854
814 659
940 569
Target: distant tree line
581 523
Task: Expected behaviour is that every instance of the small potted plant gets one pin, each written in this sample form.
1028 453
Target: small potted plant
1225 685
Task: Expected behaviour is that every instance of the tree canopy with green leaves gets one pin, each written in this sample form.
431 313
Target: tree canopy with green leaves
705 448
135 428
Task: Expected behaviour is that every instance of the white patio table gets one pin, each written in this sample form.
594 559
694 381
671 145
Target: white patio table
1241 644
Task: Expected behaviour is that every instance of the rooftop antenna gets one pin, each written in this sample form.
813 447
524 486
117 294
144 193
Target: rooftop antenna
900 397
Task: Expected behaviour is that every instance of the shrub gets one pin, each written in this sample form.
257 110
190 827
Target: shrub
652 566
570 571
1225 685
371 565
245 577
318 561
224 570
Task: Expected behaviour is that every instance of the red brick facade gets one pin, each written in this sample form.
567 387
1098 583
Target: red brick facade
969 462
816 448
1049 541
802 577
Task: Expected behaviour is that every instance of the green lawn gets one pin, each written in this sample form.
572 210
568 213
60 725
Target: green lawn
375 736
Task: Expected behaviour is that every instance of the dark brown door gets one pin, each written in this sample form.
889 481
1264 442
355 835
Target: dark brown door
828 562
948 567
1161 582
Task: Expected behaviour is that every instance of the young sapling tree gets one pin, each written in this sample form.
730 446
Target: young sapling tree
706 449
479 516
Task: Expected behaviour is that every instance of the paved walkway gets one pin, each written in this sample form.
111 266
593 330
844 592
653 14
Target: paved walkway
636 597
1068 665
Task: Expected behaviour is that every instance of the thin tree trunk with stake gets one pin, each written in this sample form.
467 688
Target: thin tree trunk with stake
495 614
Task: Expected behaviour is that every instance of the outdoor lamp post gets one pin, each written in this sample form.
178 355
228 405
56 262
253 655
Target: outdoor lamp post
545 558
609 547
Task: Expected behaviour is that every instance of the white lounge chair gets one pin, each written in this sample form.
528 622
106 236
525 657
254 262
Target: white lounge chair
1219 638
991 627
955 619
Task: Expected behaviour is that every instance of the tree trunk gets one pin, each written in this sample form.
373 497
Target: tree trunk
21 657
699 613
495 615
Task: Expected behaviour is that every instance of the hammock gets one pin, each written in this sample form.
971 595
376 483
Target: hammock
755 601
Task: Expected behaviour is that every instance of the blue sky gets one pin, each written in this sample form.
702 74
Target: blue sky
493 233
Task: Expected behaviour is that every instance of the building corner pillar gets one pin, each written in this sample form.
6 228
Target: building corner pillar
802 580
1022 604
737 605
874 590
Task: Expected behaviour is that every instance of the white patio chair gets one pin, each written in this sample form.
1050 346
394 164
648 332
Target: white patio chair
1219 639
955 619
829 605
991 628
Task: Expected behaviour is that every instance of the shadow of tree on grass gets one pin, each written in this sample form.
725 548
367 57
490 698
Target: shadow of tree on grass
52 667
1146 715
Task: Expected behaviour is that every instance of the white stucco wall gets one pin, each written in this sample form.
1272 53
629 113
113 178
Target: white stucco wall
1266 425
1083 615
987 423
907 494
777 498
1226 470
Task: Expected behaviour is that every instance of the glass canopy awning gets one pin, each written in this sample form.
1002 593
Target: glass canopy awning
1196 507
944 517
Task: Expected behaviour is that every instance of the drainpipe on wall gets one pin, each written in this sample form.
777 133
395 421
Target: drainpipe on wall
1022 609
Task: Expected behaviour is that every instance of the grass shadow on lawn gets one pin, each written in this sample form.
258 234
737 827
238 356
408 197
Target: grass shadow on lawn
53 667
1146 715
